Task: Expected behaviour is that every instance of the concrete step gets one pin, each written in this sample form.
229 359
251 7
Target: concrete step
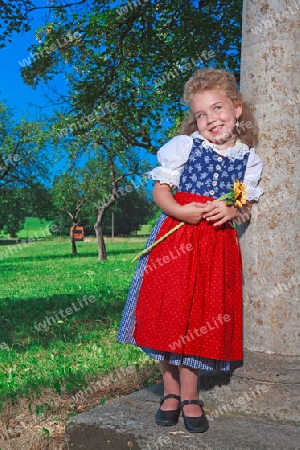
254 409
128 423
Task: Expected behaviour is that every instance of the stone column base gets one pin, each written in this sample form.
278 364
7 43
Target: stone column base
265 387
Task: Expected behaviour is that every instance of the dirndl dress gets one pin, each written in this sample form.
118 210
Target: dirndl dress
185 299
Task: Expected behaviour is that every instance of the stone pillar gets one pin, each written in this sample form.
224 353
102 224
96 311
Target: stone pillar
270 245
267 385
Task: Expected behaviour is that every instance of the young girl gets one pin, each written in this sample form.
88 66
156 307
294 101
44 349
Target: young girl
184 306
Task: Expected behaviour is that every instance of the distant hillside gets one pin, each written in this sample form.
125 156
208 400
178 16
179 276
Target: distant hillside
145 229
34 227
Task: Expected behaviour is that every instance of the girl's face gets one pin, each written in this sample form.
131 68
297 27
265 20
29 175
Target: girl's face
216 117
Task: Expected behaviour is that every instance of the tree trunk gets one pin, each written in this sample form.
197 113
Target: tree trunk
99 235
73 242
270 79
112 224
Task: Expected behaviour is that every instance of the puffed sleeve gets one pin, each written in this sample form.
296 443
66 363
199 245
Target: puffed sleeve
252 176
172 158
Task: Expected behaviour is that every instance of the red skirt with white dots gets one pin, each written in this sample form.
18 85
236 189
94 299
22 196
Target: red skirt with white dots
190 300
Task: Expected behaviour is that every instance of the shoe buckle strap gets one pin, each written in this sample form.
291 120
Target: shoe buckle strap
192 402
169 396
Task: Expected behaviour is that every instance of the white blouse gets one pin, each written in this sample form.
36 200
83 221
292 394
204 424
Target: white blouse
175 153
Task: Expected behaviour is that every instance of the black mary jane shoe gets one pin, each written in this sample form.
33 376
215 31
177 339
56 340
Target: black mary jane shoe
168 418
195 424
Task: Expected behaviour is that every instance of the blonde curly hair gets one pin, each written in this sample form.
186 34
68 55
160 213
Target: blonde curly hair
208 79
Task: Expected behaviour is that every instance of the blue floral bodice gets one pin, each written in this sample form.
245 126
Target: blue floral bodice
209 173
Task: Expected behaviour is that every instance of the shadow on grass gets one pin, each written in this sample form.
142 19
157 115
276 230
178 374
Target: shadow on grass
56 327
37 324
41 322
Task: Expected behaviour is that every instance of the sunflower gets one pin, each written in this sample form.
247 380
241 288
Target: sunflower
239 190
236 195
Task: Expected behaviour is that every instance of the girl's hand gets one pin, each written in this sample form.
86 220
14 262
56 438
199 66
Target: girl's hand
189 213
192 213
220 212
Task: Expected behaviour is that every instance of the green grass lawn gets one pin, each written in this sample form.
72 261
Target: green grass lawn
145 229
43 281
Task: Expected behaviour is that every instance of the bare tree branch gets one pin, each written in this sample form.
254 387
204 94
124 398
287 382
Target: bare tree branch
54 7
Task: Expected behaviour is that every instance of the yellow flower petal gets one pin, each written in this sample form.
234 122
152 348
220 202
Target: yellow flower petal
239 193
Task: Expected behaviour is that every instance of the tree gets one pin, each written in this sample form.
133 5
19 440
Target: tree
131 210
119 166
93 188
126 66
24 164
13 212
23 157
18 202
69 194
15 16
124 69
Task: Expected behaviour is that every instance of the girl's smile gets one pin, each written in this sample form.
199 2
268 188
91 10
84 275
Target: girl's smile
216 117
217 129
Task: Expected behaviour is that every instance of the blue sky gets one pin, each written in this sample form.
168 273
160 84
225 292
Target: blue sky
12 89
